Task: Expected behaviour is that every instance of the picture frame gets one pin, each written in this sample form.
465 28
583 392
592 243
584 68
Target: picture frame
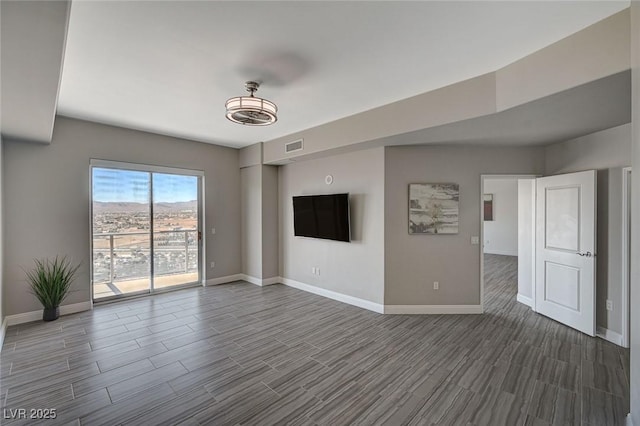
488 207
434 208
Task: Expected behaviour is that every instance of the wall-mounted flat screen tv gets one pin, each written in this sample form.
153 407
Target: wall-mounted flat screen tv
322 216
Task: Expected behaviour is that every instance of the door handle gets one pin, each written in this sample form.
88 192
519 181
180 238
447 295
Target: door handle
587 254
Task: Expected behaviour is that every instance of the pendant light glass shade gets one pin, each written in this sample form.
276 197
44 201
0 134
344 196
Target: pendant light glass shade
251 110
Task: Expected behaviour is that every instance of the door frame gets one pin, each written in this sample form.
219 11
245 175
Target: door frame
94 162
626 247
484 177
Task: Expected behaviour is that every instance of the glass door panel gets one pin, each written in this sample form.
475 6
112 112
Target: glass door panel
175 230
121 223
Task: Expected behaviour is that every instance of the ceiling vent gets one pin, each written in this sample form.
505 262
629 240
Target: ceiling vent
293 146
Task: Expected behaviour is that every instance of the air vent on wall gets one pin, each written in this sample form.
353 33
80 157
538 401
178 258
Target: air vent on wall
293 146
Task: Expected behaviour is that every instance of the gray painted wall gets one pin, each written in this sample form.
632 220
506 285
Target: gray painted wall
526 236
251 216
47 193
606 151
250 155
354 269
259 235
635 225
270 227
2 309
413 262
601 150
501 234
609 245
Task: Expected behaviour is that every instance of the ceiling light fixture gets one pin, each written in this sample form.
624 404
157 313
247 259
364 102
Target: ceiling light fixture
250 110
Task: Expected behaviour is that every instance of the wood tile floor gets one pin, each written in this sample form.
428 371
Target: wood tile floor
241 354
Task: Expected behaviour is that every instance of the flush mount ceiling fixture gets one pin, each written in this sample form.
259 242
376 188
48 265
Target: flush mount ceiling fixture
251 110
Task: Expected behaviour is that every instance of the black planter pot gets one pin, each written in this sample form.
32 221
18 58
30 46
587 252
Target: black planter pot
51 314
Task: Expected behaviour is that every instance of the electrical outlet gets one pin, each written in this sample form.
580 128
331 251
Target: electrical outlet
475 240
436 285
609 305
313 270
213 264
213 231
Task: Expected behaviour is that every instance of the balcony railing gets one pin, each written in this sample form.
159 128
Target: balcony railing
121 256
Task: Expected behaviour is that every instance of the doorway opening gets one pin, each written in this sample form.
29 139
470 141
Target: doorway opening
507 232
560 275
146 226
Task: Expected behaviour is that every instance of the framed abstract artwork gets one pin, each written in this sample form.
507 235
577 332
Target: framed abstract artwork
433 208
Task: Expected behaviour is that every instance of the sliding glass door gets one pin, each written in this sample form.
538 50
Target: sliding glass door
175 230
145 229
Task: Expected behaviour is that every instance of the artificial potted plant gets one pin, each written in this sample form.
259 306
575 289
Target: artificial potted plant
50 281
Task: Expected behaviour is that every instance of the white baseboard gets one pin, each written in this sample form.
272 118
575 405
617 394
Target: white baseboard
355 301
261 281
3 331
525 300
629 420
501 252
37 315
271 281
609 335
243 277
432 309
224 280
252 280
380 308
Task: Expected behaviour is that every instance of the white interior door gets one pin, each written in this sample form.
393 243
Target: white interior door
565 249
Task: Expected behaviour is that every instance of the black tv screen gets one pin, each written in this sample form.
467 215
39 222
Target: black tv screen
322 216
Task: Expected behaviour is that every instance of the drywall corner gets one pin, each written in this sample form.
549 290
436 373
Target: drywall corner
250 155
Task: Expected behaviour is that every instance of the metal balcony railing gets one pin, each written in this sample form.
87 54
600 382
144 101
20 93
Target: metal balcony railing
127 255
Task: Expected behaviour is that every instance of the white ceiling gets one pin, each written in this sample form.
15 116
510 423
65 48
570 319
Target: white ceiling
169 66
